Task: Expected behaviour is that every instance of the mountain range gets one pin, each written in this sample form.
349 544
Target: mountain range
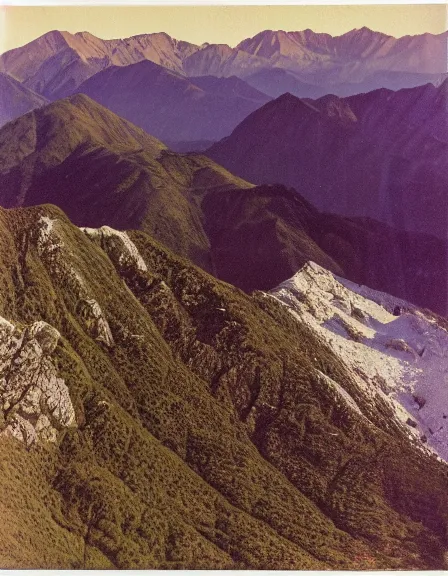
382 154
55 64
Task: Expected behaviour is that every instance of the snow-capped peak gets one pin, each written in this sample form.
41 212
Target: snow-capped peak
390 347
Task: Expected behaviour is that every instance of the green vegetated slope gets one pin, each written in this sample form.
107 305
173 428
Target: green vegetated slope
103 170
206 436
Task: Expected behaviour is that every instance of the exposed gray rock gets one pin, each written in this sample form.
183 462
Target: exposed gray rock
118 246
94 321
34 402
50 246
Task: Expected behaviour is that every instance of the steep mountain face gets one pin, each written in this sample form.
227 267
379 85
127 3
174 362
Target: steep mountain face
57 63
382 154
16 100
170 106
103 170
384 342
211 429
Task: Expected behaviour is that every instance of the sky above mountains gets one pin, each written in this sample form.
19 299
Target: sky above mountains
214 24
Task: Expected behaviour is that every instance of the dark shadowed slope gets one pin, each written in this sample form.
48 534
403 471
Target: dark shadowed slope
170 106
207 429
383 154
261 235
16 100
102 170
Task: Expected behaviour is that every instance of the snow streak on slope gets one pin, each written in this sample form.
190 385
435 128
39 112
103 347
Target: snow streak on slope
403 357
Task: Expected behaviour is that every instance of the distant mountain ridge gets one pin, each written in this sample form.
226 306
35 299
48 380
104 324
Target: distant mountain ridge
58 62
381 154
171 106
16 99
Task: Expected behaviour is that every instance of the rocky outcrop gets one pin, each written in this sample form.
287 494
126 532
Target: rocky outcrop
94 322
118 246
34 402
50 246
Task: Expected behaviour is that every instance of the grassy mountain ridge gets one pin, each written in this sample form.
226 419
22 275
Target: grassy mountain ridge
205 436
102 169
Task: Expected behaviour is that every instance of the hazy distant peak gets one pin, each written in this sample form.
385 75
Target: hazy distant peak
364 30
85 34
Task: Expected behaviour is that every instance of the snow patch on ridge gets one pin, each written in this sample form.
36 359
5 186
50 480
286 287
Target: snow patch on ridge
404 357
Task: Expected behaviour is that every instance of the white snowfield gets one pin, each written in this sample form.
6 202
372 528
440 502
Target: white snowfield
402 357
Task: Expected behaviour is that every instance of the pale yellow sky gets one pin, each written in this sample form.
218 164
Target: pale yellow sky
214 24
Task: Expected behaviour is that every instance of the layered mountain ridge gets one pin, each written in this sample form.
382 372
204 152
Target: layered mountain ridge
102 170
